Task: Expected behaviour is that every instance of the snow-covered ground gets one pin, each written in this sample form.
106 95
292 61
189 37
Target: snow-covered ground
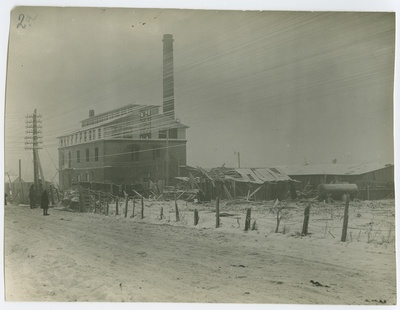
71 256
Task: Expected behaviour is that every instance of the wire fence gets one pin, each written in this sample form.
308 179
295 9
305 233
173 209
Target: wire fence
368 221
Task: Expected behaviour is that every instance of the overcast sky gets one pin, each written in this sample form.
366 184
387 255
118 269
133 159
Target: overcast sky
278 87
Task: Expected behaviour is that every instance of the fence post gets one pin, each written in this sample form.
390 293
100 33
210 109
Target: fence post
176 211
248 219
95 204
80 200
217 222
161 213
306 219
126 205
278 220
345 218
108 207
196 217
116 205
100 204
134 202
142 211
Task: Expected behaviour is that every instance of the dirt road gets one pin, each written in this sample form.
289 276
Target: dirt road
90 257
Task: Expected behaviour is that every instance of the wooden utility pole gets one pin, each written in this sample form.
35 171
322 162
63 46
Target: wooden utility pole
238 157
20 182
33 142
167 160
19 171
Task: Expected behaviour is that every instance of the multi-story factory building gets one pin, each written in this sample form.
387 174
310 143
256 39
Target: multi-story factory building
130 144
134 143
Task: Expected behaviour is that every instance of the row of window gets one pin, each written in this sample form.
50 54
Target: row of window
107 116
162 134
88 135
134 155
91 135
87 157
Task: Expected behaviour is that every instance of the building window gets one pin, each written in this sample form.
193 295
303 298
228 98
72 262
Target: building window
61 140
135 149
78 156
80 137
173 133
156 153
96 154
162 134
87 154
76 138
69 159
99 133
90 135
84 136
145 135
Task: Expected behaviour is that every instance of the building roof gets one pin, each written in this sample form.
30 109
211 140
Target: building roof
259 175
127 109
333 169
246 175
158 120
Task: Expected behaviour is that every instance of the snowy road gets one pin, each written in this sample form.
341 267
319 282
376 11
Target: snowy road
90 257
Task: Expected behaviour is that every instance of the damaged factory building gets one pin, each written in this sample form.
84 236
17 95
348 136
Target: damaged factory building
249 183
137 148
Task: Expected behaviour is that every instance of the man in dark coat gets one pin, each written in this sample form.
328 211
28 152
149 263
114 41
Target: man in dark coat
44 203
32 196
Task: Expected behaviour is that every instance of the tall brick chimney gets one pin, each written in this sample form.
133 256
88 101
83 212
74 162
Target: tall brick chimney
168 76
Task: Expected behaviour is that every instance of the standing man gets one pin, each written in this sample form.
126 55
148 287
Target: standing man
44 202
32 196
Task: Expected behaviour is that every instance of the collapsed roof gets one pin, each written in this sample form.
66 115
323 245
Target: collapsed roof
245 175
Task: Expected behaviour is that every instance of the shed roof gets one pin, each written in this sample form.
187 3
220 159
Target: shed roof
259 175
246 175
334 169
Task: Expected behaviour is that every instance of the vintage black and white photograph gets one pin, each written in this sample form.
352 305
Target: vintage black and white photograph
199 156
